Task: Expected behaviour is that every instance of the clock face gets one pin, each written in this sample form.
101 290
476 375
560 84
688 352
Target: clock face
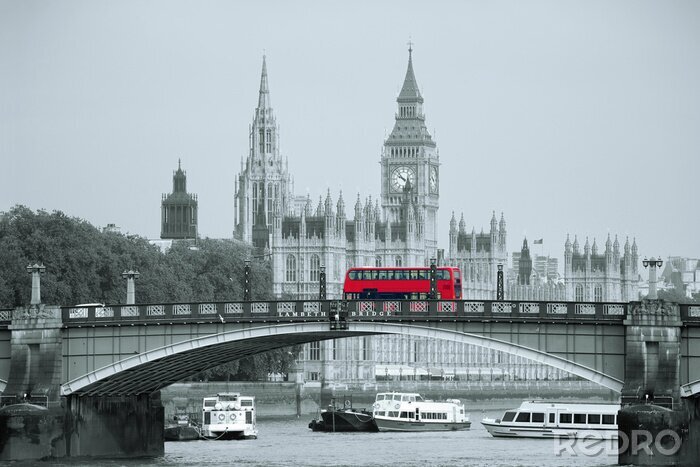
433 179
400 176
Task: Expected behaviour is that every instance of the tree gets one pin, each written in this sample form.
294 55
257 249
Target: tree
84 265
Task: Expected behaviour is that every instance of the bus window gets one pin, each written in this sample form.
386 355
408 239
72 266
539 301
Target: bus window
457 274
414 274
382 274
423 274
352 275
390 275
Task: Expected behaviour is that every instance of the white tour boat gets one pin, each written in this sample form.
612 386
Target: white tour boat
229 416
541 419
403 411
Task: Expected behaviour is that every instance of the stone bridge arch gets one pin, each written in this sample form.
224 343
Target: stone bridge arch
155 369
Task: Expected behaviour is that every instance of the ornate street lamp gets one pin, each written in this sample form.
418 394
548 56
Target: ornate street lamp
652 264
322 283
499 283
433 279
246 281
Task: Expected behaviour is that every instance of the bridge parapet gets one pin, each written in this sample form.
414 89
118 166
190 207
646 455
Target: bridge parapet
357 310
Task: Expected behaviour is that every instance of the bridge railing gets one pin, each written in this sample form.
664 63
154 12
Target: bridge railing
6 316
355 310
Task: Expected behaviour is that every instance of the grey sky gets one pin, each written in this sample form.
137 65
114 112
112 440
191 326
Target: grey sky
568 117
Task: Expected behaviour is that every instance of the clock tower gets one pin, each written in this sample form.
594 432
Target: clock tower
410 154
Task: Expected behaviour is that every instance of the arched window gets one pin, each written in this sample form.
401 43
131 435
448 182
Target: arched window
397 261
268 142
378 261
291 275
598 293
314 264
579 293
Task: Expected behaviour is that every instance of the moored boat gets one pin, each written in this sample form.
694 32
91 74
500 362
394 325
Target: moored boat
541 419
182 429
229 416
400 411
343 418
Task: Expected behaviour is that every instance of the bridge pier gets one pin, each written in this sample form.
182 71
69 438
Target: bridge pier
114 426
654 423
36 422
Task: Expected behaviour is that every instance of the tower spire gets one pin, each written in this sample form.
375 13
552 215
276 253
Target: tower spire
409 90
264 97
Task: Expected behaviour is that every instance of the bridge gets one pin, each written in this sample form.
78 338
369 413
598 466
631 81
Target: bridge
99 363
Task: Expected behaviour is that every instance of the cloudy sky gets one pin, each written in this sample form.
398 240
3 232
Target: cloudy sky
578 117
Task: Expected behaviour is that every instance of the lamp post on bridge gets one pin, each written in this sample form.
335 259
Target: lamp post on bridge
433 279
246 281
322 283
36 270
499 283
130 277
652 264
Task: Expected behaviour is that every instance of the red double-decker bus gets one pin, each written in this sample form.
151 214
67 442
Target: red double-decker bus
401 283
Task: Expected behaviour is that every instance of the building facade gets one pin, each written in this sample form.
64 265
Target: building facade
611 276
478 256
178 218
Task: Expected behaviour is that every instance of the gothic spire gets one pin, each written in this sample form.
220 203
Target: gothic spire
264 97
409 90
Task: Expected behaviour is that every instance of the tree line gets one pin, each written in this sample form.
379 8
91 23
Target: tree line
84 265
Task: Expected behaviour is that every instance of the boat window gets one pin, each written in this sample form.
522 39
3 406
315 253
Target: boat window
245 403
564 418
579 418
551 418
392 413
397 397
593 419
405 415
380 397
508 416
209 403
537 417
380 413
523 417
608 419
419 398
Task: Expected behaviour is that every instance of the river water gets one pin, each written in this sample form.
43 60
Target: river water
289 442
